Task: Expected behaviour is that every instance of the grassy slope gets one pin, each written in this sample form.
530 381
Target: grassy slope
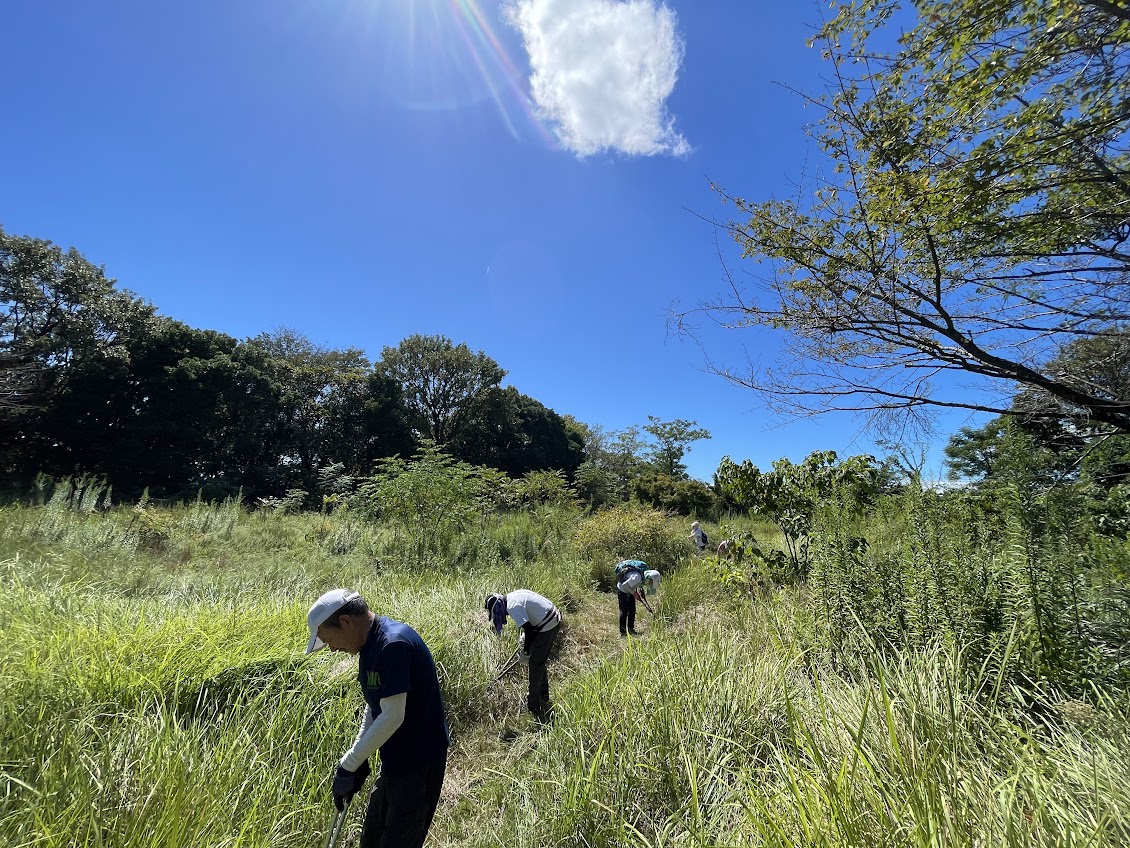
152 694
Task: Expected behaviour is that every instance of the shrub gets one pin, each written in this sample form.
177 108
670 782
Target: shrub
627 532
544 487
686 497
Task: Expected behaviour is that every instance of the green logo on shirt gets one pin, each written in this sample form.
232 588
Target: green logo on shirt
374 680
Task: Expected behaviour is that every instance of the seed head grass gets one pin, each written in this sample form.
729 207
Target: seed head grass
153 693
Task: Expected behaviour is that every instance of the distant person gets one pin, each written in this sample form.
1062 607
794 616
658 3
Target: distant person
725 548
633 579
700 539
403 719
629 579
538 619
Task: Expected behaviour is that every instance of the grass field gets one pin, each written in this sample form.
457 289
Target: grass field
153 694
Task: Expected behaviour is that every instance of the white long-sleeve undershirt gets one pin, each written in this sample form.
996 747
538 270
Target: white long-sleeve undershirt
376 731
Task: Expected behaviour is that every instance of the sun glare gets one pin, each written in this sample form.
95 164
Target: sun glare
435 55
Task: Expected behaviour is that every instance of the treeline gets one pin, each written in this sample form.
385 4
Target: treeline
93 381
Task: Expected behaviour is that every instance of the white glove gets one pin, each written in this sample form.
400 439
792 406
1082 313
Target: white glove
523 657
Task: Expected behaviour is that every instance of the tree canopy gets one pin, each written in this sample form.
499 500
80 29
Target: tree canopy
973 220
440 381
672 440
57 309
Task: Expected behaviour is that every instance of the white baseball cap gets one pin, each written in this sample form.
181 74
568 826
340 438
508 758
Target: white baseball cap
323 608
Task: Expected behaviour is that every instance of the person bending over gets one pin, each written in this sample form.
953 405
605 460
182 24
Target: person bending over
539 620
404 719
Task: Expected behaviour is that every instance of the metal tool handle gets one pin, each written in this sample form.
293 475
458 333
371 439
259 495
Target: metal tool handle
510 663
335 826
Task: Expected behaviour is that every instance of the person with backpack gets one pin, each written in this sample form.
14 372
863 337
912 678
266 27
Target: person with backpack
699 537
539 621
632 576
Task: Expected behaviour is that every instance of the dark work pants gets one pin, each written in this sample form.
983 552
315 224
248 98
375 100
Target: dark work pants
627 603
538 699
401 806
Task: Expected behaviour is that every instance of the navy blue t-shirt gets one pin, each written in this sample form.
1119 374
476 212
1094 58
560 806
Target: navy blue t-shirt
394 659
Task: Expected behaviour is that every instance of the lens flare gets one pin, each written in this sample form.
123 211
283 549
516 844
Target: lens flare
447 55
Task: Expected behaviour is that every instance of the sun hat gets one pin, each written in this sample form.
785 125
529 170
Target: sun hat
323 608
495 605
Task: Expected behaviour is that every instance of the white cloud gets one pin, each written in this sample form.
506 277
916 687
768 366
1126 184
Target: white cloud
601 72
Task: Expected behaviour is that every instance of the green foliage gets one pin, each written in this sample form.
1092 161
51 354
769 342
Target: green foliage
682 496
1020 585
790 494
430 497
618 456
594 485
440 381
507 430
176 410
971 219
58 310
329 406
1096 365
751 565
622 465
288 504
1034 458
672 439
628 532
544 487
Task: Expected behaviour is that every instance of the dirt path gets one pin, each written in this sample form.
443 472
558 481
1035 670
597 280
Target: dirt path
591 637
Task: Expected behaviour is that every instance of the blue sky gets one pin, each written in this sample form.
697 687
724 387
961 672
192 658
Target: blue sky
528 177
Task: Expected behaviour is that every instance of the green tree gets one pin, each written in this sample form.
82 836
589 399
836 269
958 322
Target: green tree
515 433
674 494
367 420
544 487
1044 442
1098 365
150 419
594 485
177 410
440 382
58 308
332 407
974 453
790 494
625 458
904 465
1005 452
58 314
973 220
548 443
672 441
432 497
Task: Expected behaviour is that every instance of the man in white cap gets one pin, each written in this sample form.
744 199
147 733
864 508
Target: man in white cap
403 718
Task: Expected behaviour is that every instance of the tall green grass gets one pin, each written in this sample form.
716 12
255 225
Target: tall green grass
722 735
153 694
923 566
